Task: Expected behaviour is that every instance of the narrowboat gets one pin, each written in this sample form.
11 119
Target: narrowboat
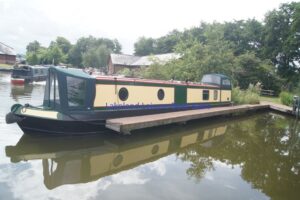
28 74
77 103
72 160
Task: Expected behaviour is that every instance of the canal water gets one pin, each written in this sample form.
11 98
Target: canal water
250 157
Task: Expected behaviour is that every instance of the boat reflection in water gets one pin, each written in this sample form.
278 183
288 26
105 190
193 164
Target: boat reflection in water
21 91
262 150
70 160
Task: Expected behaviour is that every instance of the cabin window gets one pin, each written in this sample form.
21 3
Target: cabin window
211 79
51 98
225 82
123 94
56 90
161 94
205 95
215 94
76 91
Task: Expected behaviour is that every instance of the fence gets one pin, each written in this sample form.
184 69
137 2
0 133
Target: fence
267 92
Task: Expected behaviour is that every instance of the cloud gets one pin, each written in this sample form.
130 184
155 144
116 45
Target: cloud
25 21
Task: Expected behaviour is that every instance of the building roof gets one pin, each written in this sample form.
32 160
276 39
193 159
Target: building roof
123 59
130 60
161 58
6 50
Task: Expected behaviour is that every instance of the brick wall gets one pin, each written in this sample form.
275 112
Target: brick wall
7 59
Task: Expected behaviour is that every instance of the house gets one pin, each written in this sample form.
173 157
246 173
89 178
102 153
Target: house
7 54
118 62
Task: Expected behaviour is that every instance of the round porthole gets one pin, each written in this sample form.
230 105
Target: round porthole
160 94
117 160
155 149
123 94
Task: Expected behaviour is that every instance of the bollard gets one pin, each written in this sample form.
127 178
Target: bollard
296 106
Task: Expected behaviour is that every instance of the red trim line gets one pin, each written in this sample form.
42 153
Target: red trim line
137 80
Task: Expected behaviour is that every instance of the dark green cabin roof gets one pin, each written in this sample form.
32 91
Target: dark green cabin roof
72 72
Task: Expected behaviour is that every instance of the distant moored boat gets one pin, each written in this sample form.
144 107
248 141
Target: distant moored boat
28 74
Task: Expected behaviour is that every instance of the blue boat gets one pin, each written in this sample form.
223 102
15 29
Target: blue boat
28 74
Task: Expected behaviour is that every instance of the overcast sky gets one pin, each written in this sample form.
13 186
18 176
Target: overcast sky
22 21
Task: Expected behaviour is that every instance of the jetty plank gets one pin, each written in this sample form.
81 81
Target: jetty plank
278 107
127 124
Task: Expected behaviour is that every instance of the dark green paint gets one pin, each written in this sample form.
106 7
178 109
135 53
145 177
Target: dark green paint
180 94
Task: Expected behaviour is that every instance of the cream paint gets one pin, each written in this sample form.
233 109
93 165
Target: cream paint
142 153
39 113
189 139
194 95
101 164
108 94
226 95
208 134
221 130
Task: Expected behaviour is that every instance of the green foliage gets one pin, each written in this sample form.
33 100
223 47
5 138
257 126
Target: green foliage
211 52
144 46
127 72
214 56
166 44
81 54
51 55
281 41
33 46
154 72
248 96
246 50
270 99
32 58
252 70
286 98
244 35
90 52
96 57
55 55
62 43
296 90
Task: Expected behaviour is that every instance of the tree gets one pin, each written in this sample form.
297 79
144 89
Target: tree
33 46
253 70
54 55
32 58
166 44
281 40
64 44
245 35
84 47
144 46
117 46
96 57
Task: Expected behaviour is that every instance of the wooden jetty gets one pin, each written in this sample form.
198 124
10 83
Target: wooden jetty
127 124
278 107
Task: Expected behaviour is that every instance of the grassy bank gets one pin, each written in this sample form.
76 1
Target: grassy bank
6 66
270 99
